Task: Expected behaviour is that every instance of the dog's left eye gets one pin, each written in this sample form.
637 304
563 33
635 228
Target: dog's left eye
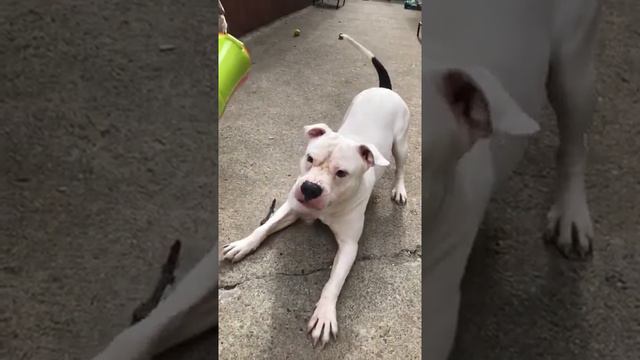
309 159
341 173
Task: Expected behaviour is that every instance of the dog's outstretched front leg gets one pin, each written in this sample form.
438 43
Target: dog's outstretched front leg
282 218
188 311
323 322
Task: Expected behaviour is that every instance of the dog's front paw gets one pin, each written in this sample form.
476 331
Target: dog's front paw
399 194
569 227
323 322
237 250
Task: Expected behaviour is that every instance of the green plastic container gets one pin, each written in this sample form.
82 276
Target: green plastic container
234 63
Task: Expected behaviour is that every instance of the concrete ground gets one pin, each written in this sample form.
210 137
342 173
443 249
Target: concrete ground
107 155
296 81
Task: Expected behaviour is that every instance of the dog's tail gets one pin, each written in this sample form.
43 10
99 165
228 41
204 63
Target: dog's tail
383 76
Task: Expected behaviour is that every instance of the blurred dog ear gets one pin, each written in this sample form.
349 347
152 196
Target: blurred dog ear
482 106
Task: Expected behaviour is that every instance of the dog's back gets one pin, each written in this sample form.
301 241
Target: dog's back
376 116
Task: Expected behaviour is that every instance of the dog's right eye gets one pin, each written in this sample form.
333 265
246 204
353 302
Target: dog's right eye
309 159
341 173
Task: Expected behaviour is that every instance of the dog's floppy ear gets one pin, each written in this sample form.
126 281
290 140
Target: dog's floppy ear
316 130
482 106
372 156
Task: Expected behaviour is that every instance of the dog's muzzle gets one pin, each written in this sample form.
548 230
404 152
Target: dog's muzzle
310 190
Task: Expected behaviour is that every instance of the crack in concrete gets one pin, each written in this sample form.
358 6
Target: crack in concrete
301 273
403 253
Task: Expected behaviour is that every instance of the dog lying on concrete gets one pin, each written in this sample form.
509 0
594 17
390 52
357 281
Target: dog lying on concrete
488 68
338 172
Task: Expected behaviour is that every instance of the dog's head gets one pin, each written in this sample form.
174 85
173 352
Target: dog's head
332 168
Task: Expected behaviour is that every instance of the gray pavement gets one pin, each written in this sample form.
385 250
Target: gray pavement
107 155
298 81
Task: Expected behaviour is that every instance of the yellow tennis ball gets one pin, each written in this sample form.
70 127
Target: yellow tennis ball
296 32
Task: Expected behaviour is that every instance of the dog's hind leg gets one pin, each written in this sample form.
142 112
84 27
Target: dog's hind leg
400 151
571 87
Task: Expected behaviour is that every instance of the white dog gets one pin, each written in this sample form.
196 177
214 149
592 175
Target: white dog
339 170
489 67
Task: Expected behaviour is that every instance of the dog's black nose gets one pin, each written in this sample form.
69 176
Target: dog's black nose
310 190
